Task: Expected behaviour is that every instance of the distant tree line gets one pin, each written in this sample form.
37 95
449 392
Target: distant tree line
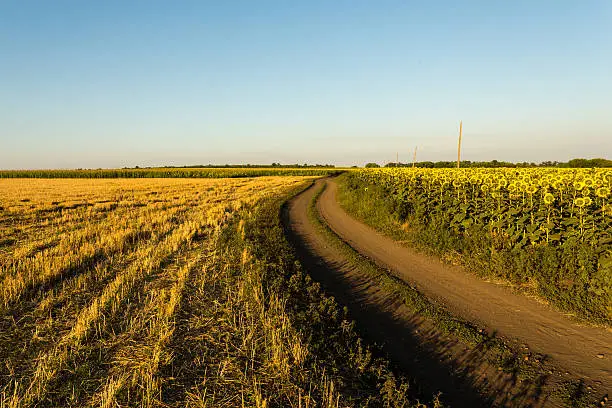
164 172
574 163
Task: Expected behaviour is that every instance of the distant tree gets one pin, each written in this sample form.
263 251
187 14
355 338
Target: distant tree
601 162
444 164
586 163
371 165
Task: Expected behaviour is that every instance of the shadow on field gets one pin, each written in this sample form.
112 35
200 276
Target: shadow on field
413 345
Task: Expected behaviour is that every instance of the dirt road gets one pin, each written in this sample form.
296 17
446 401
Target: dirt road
584 351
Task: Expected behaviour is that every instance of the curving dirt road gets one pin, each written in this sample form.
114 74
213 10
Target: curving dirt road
584 351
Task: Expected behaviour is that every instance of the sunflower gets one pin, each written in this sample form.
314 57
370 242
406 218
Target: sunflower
456 183
579 185
607 209
587 201
531 189
580 202
586 192
548 198
588 182
484 188
602 192
557 184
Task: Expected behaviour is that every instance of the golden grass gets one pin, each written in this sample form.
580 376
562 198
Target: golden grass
102 265
169 293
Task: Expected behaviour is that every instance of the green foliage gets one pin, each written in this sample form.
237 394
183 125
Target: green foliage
574 394
589 163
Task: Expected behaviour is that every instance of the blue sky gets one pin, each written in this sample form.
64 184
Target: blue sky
124 83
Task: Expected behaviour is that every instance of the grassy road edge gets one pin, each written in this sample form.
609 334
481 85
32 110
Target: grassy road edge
338 362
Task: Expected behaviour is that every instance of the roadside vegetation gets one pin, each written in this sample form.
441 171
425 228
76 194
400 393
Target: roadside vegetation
546 231
171 293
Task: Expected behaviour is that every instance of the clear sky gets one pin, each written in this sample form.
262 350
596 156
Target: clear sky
125 83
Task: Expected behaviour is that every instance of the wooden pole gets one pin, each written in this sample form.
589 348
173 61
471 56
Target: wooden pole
397 159
459 144
414 156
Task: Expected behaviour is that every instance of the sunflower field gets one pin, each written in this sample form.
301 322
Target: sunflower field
548 229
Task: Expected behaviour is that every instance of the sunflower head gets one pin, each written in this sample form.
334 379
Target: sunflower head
587 201
586 192
557 184
588 182
544 183
531 189
602 192
549 198
579 185
580 202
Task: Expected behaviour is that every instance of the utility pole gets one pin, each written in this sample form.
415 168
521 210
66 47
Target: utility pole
459 144
414 156
397 159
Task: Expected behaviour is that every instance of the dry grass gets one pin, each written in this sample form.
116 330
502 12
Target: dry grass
102 264
169 293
